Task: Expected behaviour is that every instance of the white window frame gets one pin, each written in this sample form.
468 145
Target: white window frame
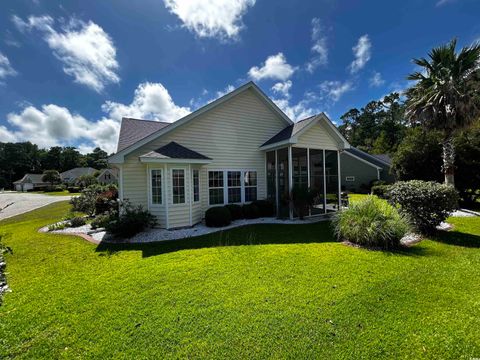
227 200
150 198
193 185
350 178
184 185
225 185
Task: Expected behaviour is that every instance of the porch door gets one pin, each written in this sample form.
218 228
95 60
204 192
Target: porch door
317 181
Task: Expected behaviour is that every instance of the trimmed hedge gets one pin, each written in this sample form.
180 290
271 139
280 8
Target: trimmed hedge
372 222
236 211
426 203
131 221
77 221
251 211
266 208
218 216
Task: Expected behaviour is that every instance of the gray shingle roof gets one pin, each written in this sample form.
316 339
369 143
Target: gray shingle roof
384 157
174 150
33 178
75 173
374 159
133 130
289 131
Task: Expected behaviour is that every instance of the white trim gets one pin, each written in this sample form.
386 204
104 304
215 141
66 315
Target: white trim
339 181
173 161
225 185
290 179
277 200
378 174
324 184
277 145
362 160
308 167
149 186
193 186
119 157
120 182
350 178
184 185
190 193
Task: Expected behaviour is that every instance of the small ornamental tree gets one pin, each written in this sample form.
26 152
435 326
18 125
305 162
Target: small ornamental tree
52 177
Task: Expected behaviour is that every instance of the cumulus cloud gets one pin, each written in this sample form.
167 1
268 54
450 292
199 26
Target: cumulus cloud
6 68
334 90
319 47
376 80
282 88
275 67
52 125
298 111
213 18
86 51
362 53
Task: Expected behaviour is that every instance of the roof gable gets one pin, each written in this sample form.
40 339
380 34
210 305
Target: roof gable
174 150
119 157
133 130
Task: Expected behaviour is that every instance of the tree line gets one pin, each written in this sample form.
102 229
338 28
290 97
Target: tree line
18 159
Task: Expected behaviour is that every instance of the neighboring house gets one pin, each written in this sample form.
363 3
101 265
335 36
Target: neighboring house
359 169
108 176
71 176
239 148
30 182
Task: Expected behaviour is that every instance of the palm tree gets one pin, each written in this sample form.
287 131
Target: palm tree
446 95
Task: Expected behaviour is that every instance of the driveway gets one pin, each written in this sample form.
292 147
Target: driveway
19 203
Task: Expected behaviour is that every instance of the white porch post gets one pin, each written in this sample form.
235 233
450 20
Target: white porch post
190 191
324 185
277 200
290 179
339 183
165 186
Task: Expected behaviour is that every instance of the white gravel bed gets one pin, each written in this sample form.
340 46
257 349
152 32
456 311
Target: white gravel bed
154 235
465 213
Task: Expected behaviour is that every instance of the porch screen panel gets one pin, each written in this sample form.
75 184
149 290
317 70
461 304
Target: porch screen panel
271 180
331 178
300 167
283 184
317 181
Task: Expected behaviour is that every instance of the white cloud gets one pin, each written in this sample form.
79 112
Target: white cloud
334 90
319 47
376 79
298 111
85 49
444 2
275 67
362 53
283 88
6 68
213 18
52 125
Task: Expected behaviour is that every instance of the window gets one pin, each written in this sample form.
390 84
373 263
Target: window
215 187
350 178
250 179
156 185
196 185
178 186
234 186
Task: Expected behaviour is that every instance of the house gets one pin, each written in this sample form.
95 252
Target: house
237 149
71 176
30 182
108 176
359 169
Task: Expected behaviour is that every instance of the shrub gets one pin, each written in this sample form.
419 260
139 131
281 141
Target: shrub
381 191
85 203
302 199
73 189
266 208
218 216
86 181
77 221
250 211
102 221
57 226
371 222
106 201
51 176
131 221
236 211
427 203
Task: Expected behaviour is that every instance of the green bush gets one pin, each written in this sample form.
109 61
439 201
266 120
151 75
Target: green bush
302 198
106 201
266 208
131 221
77 221
102 221
381 191
236 211
371 222
73 189
426 203
57 226
85 203
250 211
218 216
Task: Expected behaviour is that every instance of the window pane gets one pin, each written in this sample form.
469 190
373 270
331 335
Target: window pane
234 178
234 195
215 179
250 193
300 169
331 179
271 176
196 185
216 196
250 178
156 182
178 186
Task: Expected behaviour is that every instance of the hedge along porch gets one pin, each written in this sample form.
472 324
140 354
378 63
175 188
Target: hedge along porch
219 155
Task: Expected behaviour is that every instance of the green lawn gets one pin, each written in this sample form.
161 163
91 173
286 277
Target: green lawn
53 193
283 291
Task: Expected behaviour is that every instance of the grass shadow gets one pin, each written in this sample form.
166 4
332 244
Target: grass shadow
457 238
260 234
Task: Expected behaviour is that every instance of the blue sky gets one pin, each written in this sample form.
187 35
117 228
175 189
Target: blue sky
70 70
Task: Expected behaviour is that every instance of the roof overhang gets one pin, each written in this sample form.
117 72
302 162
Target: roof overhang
119 157
156 160
362 160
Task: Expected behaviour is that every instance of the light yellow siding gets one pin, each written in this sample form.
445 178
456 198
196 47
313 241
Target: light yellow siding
230 134
317 137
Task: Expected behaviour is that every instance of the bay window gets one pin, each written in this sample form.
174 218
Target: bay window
178 186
